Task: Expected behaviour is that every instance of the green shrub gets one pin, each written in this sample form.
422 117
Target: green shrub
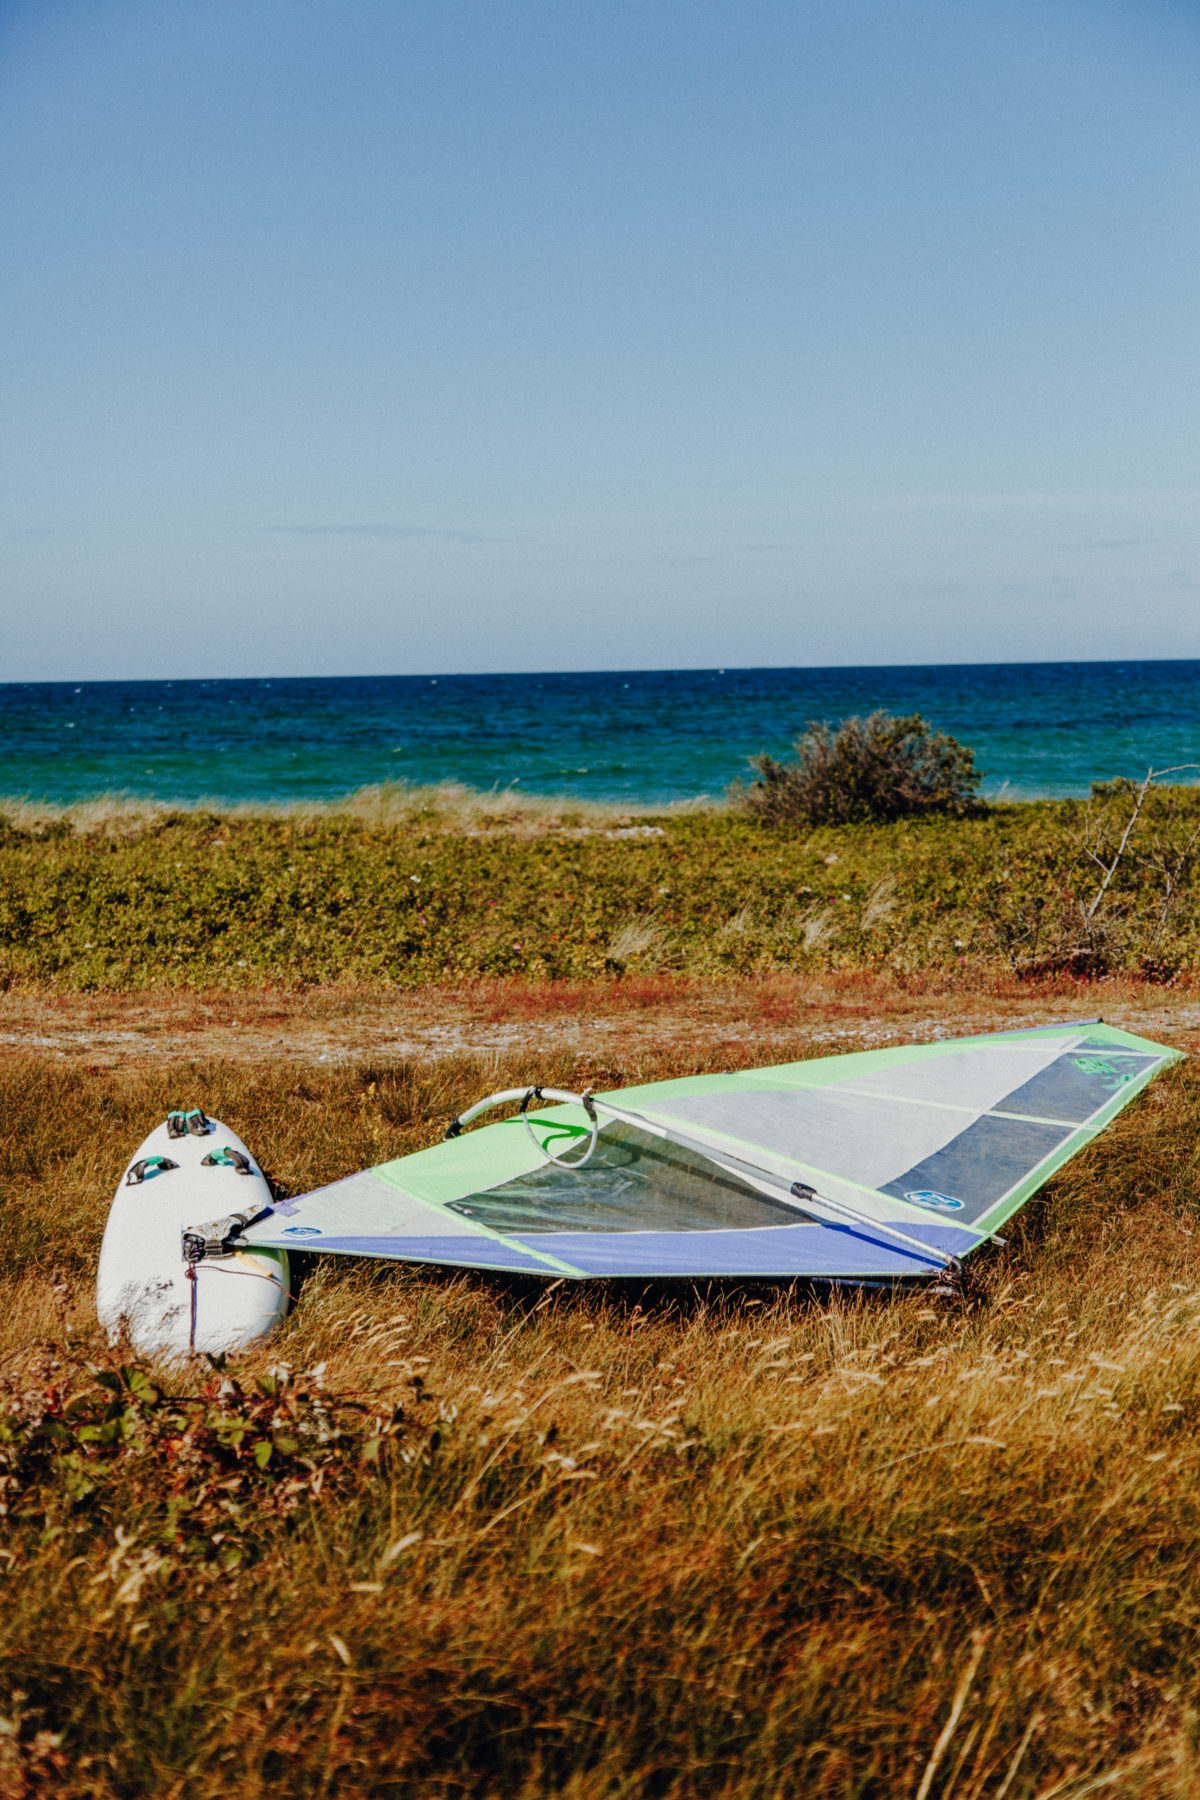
880 767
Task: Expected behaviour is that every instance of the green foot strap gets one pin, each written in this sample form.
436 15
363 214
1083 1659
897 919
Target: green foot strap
227 1158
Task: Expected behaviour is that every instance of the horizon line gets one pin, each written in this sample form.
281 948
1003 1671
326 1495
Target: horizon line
434 675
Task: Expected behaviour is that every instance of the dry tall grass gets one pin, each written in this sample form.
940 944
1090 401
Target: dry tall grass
669 1542
446 806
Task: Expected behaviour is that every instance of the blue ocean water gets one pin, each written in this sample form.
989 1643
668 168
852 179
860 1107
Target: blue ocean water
638 736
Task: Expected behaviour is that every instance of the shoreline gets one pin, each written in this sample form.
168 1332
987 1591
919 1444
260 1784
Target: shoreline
398 803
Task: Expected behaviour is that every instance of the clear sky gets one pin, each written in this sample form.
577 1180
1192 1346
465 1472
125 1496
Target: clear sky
352 336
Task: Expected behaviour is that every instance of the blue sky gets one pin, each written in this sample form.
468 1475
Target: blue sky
479 334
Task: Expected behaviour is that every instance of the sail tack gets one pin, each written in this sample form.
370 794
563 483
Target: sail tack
910 1155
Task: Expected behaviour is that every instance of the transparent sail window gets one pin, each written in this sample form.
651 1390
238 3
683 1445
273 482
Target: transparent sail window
633 1182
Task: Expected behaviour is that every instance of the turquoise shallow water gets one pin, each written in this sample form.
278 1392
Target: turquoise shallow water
641 736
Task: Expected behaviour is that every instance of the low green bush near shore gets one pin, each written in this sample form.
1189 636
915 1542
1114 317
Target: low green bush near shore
478 1537
409 896
878 768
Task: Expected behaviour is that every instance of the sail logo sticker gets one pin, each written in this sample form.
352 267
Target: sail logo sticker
302 1231
939 1202
1099 1065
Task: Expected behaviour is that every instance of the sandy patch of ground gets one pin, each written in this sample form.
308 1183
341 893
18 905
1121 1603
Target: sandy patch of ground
601 1019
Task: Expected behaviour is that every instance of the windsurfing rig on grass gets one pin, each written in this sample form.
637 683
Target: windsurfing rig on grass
878 1168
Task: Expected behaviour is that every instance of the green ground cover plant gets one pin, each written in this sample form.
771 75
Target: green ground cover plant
200 899
464 1536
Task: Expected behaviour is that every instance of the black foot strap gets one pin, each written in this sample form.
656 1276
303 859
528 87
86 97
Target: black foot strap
149 1165
227 1159
190 1123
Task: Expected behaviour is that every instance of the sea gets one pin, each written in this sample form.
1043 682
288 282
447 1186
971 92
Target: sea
635 737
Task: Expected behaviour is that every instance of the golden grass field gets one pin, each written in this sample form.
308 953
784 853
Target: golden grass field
489 1538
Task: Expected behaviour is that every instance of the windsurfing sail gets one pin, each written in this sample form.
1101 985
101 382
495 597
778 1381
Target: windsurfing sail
874 1166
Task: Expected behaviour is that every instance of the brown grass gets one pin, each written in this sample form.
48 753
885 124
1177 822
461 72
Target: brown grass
787 1013
672 1541
716 1025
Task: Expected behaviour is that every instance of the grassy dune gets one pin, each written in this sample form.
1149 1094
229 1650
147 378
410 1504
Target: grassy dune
410 889
672 1542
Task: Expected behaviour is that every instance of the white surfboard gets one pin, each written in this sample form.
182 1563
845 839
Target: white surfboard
189 1172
